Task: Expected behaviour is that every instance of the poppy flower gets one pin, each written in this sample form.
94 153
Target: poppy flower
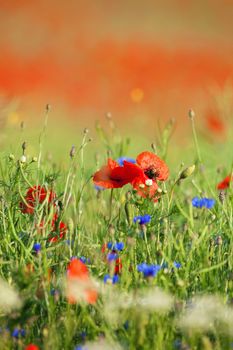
31 347
113 175
59 229
224 183
34 195
79 285
152 169
214 122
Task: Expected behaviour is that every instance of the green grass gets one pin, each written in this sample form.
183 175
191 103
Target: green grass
128 314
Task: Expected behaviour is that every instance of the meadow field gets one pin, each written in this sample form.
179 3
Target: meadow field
114 241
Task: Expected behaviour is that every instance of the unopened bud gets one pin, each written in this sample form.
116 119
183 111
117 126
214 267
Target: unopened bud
11 157
187 172
191 114
159 190
222 196
141 186
34 159
72 152
48 108
24 146
153 146
86 131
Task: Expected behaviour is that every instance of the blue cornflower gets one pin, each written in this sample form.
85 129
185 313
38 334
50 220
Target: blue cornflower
112 256
176 264
148 270
80 347
109 245
142 219
99 188
113 279
118 246
121 160
16 333
37 247
203 202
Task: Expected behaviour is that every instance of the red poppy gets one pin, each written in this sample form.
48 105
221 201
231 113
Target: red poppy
114 176
118 266
214 122
152 169
36 194
79 285
224 183
32 347
59 227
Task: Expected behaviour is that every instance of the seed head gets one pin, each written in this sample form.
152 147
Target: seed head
72 152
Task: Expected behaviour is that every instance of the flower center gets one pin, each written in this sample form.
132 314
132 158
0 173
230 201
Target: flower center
151 173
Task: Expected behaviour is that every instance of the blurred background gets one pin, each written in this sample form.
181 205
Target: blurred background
143 61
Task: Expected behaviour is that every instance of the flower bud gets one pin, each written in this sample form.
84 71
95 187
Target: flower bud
34 159
72 152
11 156
187 172
24 145
191 114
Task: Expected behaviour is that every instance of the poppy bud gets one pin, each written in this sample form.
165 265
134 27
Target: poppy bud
48 108
187 172
24 145
191 114
72 152
86 131
222 196
11 157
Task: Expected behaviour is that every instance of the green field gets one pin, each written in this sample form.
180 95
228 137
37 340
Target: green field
182 299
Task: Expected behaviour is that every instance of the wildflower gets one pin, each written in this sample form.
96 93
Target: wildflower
111 280
59 229
34 195
121 160
203 202
225 183
113 175
148 270
9 298
16 333
176 264
99 188
119 246
152 168
79 285
118 266
37 247
32 347
142 219
112 256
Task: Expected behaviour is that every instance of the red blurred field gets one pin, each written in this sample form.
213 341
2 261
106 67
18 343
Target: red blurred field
164 56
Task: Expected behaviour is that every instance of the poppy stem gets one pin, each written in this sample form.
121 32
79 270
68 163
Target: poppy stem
110 204
196 140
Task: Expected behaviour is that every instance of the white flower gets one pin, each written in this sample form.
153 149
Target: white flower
23 159
149 182
9 298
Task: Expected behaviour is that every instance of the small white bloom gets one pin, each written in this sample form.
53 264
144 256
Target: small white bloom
149 182
23 159
141 186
